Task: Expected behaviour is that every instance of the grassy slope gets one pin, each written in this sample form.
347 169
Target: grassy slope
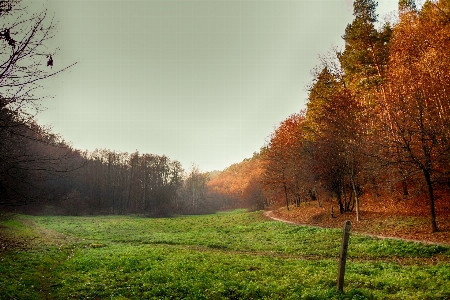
224 256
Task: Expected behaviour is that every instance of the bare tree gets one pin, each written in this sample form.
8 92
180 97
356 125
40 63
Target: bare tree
25 58
27 150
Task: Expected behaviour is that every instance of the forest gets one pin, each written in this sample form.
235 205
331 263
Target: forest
376 127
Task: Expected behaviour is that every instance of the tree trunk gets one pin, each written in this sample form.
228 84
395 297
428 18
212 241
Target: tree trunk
286 195
318 201
193 195
145 200
427 174
341 206
405 187
356 200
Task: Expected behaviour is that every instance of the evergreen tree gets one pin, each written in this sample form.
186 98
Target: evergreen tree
406 6
365 56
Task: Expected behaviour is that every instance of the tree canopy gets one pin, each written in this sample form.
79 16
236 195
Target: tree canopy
379 119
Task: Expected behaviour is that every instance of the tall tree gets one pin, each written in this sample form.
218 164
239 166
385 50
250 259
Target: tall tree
194 191
336 123
418 107
283 160
365 56
24 61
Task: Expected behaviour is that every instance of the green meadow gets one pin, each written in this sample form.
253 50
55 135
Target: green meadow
233 255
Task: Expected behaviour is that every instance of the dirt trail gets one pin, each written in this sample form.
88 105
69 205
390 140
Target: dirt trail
271 215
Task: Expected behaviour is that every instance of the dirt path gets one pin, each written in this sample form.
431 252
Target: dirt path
271 215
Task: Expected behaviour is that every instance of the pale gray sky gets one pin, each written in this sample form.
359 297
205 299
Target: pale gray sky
199 81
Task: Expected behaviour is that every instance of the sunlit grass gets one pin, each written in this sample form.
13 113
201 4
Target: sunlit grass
234 255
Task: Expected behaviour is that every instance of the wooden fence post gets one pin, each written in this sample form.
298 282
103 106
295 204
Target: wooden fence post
343 256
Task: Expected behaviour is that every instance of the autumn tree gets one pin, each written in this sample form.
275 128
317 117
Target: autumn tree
253 194
284 161
380 107
342 105
335 125
239 185
416 117
226 188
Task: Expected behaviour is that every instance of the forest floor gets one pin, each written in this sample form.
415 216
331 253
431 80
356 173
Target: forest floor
401 220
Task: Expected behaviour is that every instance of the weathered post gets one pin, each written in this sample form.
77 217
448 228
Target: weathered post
343 256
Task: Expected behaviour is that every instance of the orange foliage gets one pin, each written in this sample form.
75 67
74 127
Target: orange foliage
378 125
233 186
286 163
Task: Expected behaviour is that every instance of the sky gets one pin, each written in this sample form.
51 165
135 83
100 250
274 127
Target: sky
202 82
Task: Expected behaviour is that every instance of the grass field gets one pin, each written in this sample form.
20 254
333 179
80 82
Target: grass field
234 255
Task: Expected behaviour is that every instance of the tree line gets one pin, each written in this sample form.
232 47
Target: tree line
40 169
376 126
377 116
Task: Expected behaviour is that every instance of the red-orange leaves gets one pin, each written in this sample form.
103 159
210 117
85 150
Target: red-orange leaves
285 165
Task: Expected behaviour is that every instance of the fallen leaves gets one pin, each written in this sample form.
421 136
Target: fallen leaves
387 222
